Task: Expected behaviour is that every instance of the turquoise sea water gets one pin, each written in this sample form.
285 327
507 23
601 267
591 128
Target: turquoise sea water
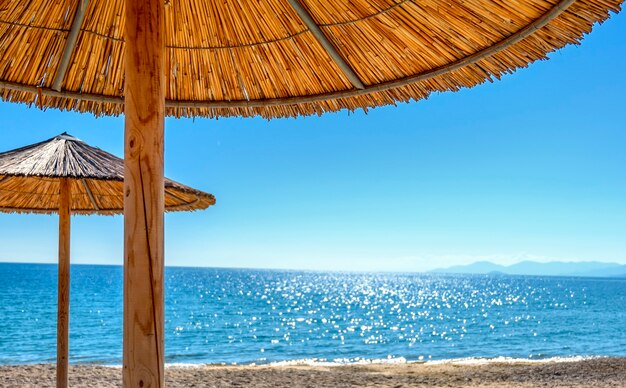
260 316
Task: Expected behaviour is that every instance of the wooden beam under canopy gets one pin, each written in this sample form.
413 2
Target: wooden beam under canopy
69 45
328 46
90 194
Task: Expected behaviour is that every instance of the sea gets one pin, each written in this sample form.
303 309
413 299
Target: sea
246 316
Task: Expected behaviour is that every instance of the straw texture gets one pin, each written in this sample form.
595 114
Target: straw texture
246 58
30 176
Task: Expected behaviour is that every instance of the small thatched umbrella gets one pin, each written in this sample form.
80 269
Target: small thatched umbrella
273 58
65 175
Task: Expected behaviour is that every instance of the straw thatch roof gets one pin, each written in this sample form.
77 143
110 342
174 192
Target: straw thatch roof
282 57
29 180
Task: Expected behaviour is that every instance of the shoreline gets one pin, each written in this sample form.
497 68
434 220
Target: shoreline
587 372
313 362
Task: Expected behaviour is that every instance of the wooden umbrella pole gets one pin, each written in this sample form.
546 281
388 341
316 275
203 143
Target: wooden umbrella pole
64 284
144 193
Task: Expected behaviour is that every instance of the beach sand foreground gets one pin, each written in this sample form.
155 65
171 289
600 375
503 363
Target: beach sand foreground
598 372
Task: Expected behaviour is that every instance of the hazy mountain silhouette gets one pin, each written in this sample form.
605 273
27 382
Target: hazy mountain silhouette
554 268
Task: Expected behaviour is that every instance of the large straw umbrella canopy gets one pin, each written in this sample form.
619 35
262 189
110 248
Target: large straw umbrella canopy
67 176
279 58
273 58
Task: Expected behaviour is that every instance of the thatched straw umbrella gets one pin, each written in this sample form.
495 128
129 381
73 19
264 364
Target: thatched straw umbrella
67 176
273 58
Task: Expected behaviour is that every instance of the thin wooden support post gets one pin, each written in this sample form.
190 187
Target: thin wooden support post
63 307
144 194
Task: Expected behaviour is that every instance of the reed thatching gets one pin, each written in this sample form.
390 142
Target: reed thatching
262 57
30 180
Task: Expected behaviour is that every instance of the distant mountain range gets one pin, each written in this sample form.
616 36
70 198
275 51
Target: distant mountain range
554 268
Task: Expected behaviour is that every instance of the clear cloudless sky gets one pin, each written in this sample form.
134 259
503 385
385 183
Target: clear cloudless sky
532 166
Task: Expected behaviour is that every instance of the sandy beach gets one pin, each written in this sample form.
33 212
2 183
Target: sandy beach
600 372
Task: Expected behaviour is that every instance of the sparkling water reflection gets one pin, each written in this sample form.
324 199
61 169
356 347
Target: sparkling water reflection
244 316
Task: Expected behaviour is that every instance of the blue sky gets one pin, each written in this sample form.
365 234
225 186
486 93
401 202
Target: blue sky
529 167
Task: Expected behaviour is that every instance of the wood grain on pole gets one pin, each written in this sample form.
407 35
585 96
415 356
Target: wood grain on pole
144 194
63 307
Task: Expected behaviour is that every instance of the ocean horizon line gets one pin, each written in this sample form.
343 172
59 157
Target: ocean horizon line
432 272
